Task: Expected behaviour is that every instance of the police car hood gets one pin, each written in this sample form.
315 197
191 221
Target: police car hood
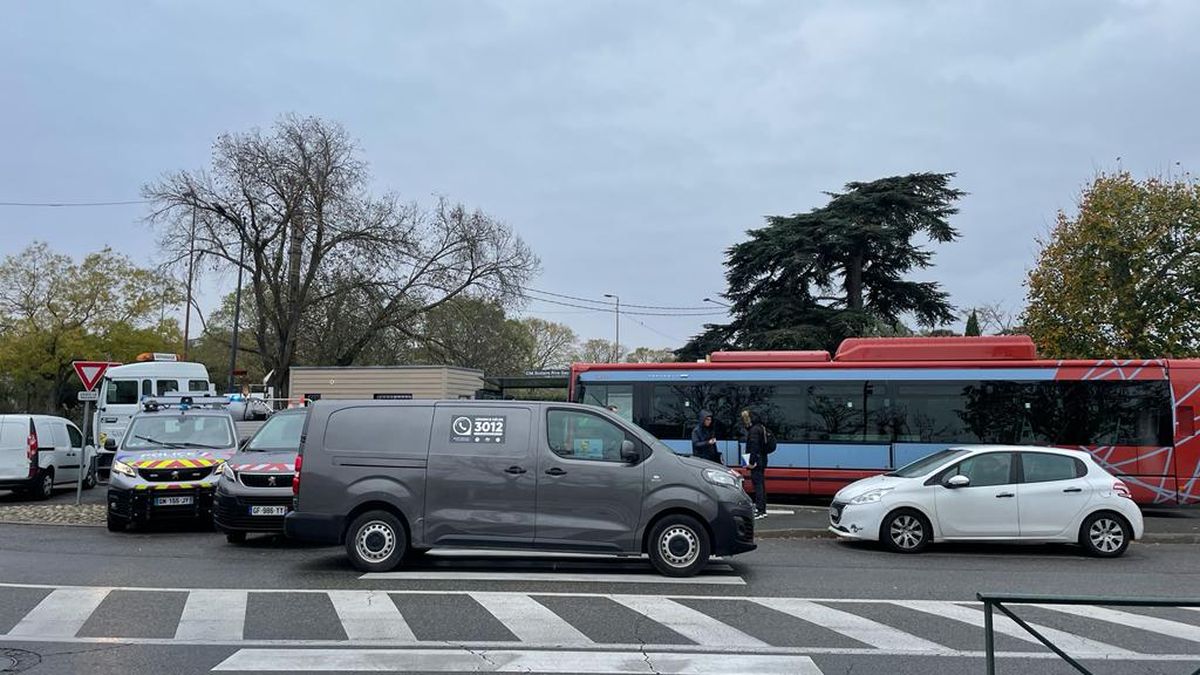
174 458
264 461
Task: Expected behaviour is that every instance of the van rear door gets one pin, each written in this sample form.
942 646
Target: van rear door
481 482
14 437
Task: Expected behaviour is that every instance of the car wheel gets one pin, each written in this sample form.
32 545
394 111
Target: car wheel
89 481
906 531
1105 535
116 523
235 537
45 485
678 546
376 542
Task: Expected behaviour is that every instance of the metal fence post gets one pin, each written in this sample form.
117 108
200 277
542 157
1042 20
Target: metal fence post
989 638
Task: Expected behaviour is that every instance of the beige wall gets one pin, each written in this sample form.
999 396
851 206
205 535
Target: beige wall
432 382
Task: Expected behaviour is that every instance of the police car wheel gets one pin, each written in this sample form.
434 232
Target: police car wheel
116 523
235 537
376 542
678 546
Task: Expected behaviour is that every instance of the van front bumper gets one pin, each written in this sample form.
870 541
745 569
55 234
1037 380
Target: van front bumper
312 527
733 529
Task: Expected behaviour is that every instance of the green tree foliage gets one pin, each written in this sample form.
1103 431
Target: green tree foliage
54 310
475 333
650 355
972 325
808 280
1121 277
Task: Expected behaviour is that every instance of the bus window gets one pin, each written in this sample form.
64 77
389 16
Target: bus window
616 397
121 392
845 412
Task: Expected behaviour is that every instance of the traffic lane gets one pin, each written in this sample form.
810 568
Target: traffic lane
795 567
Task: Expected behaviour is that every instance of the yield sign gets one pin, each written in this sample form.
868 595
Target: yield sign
90 372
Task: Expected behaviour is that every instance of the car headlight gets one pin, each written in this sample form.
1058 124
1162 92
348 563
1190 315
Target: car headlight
871 497
123 469
722 478
228 471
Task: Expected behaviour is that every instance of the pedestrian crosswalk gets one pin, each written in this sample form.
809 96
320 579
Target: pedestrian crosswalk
261 620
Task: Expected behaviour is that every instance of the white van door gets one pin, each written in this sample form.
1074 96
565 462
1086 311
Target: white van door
66 458
14 437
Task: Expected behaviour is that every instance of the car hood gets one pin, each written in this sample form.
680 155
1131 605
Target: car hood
699 463
270 461
865 485
191 458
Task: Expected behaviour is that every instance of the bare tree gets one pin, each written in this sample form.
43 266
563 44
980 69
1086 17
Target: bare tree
996 319
554 343
598 350
650 355
296 200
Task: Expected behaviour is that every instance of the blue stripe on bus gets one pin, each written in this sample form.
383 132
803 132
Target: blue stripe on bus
837 456
830 374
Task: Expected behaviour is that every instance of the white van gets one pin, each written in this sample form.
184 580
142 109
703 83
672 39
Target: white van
123 388
38 452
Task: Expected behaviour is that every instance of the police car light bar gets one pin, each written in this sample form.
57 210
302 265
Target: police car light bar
183 402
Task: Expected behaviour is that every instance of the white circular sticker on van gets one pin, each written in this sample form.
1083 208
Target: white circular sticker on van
462 426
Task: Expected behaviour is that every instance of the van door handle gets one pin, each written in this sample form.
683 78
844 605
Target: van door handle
1005 495
555 471
514 469
1073 490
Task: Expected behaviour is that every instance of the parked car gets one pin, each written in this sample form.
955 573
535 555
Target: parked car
991 493
169 460
254 492
38 452
386 478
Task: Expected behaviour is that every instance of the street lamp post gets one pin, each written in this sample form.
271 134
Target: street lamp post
617 344
187 316
237 313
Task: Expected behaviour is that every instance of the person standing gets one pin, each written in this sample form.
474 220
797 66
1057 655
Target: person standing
755 436
704 438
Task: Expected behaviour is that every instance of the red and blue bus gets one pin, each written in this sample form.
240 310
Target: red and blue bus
880 403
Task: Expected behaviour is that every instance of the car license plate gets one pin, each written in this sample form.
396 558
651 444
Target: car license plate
268 510
174 501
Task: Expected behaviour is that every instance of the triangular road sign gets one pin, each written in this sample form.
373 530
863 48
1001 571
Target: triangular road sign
90 372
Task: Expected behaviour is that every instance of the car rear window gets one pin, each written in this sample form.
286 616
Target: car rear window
1042 467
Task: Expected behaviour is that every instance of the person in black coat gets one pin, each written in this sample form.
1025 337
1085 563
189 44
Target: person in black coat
753 434
704 439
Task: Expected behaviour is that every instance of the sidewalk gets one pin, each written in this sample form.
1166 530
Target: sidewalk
1163 526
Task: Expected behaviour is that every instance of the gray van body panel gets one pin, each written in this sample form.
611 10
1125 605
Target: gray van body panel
509 491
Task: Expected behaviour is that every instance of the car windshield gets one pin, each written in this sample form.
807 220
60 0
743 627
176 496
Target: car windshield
928 463
179 431
281 432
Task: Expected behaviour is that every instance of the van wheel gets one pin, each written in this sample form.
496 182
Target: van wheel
116 523
376 542
89 481
1105 535
679 546
45 485
906 531
235 537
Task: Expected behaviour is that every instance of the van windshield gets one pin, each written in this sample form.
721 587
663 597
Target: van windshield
179 431
281 432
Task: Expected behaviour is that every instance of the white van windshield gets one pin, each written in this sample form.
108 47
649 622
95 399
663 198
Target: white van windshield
179 431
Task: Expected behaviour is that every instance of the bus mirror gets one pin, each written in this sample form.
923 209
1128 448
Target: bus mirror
958 481
629 452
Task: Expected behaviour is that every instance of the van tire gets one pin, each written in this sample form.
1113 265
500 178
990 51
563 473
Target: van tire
376 541
679 546
116 523
89 481
43 487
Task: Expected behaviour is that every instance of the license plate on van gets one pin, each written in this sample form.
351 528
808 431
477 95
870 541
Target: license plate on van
268 510
174 501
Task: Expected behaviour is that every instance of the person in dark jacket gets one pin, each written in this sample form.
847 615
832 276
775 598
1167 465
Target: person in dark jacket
704 438
753 435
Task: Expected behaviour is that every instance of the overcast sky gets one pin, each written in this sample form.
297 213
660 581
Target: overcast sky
630 143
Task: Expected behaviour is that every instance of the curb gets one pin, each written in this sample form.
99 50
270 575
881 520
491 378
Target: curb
6 521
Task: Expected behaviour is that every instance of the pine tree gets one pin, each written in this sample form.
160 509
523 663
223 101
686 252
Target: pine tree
973 325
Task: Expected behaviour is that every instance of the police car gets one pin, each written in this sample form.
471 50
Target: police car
169 460
254 492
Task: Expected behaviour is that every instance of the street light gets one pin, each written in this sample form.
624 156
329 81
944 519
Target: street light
187 317
617 344
717 303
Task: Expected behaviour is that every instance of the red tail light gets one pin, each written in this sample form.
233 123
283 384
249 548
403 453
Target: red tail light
1121 490
296 476
32 446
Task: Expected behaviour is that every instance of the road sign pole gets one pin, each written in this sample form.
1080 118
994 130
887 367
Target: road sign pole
87 417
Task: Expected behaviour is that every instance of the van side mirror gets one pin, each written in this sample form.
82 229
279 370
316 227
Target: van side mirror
629 452
110 444
958 481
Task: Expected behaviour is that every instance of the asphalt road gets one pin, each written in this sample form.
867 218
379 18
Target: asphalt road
76 599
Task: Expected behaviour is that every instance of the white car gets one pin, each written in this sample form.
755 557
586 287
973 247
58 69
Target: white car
991 493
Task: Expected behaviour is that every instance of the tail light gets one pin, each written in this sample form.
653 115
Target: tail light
1121 490
31 450
296 476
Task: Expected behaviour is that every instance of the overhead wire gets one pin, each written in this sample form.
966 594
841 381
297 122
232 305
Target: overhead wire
73 204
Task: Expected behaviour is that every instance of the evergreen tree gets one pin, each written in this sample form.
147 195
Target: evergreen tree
972 325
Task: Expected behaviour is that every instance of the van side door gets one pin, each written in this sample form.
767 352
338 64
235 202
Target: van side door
587 496
66 460
481 478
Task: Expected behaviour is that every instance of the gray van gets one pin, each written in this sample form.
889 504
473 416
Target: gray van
394 478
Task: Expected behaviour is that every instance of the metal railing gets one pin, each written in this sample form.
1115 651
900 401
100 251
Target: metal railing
997 601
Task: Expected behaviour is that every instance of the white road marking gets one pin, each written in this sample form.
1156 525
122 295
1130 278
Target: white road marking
780 512
530 620
693 625
213 615
851 625
513 661
60 614
370 615
1070 642
422 575
1152 624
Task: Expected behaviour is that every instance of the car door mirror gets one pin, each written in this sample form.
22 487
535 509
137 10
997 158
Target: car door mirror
629 452
110 444
959 481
